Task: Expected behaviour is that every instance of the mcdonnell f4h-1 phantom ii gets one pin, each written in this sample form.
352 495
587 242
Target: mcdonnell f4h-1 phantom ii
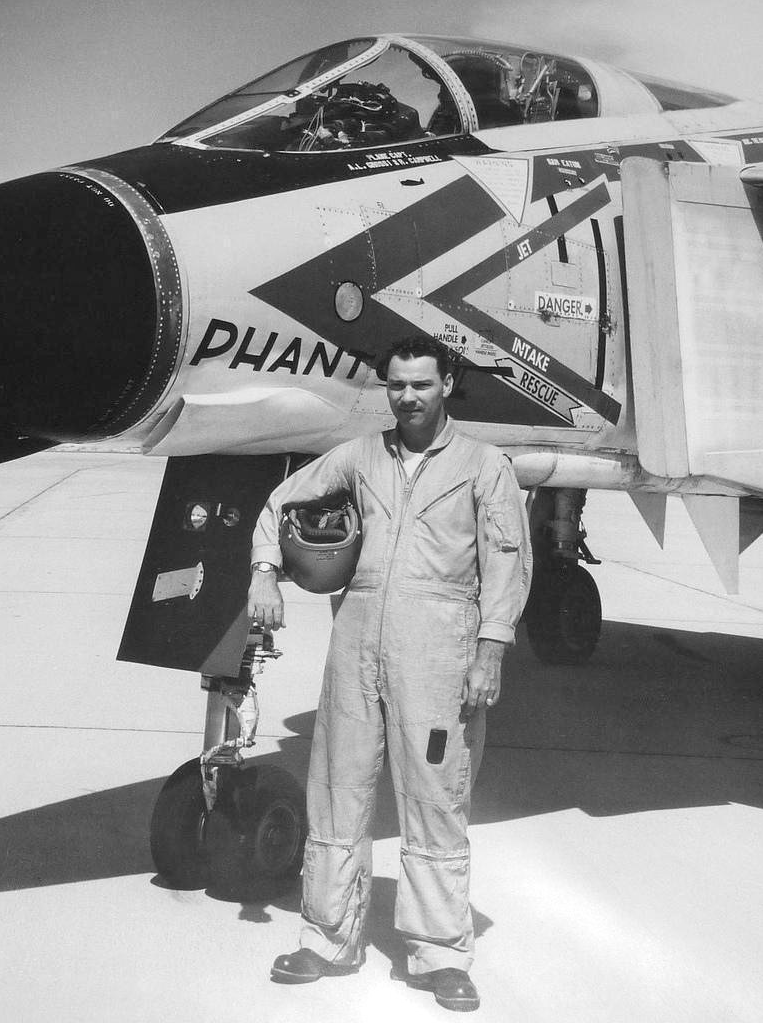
586 241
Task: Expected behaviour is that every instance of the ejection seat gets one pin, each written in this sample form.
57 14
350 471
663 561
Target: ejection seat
485 77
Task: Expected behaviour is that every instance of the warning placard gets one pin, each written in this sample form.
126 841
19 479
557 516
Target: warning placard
568 307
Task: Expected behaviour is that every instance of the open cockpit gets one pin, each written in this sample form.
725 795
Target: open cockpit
389 90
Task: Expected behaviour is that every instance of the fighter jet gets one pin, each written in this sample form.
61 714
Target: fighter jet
586 241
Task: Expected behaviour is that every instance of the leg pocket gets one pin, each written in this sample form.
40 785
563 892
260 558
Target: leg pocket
433 898
330 878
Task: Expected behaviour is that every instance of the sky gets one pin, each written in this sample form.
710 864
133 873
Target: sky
84 78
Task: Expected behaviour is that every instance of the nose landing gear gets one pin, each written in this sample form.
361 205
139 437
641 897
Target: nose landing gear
563 613
224 821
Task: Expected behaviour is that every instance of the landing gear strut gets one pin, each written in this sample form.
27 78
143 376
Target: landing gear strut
225 821
563 613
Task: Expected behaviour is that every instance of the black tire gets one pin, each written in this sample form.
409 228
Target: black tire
178 829
280 816
563 615
256 831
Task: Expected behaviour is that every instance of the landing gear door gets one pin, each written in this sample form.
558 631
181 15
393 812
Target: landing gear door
694 268
189 606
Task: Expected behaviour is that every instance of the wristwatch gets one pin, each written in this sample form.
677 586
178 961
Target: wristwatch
263 566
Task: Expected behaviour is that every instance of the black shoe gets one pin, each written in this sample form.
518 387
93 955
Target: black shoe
452 988
305 966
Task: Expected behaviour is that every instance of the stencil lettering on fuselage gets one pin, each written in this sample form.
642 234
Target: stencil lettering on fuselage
567 307
267 353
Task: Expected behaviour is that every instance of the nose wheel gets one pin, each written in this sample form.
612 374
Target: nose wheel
178 829
252 839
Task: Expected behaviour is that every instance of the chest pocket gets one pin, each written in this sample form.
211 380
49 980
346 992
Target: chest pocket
444 534
368 493
455 497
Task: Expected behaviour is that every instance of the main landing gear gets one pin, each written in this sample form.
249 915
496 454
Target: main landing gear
224 821
563 613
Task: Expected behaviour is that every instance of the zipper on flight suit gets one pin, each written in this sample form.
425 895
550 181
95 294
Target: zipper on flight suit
410 481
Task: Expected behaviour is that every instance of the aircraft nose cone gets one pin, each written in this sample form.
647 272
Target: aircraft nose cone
86 345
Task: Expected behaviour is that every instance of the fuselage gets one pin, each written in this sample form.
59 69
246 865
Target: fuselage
213 292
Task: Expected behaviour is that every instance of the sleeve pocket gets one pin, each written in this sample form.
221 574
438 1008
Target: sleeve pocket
502 530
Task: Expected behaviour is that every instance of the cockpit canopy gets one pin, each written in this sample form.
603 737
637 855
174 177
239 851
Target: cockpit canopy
390 89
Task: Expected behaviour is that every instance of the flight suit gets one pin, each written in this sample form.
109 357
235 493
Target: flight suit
445 560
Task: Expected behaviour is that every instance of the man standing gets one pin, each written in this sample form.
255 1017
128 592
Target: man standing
414 659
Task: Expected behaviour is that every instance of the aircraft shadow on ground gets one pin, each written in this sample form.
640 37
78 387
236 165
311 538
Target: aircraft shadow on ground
659 719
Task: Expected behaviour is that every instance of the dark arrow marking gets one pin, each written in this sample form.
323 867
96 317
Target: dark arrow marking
376 258
449 299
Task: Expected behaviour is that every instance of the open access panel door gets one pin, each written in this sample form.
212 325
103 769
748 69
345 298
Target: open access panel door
694 267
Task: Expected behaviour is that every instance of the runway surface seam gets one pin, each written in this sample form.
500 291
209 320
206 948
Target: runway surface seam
620 753
116 594
45 490
490 745
147 731
69 539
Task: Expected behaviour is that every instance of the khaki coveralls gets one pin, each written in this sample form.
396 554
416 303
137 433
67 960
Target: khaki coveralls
445 559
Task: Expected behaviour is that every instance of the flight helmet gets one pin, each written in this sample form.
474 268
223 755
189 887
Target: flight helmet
320 543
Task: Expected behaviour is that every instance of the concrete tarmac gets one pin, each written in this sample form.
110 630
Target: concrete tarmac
617 825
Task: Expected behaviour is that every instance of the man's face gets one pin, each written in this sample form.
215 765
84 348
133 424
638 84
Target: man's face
416 391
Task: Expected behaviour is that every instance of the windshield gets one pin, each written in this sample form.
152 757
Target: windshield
274 84
353 94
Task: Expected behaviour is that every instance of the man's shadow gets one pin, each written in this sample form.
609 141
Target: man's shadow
381 924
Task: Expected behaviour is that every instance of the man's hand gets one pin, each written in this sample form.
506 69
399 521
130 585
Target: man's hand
265 604
483 679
